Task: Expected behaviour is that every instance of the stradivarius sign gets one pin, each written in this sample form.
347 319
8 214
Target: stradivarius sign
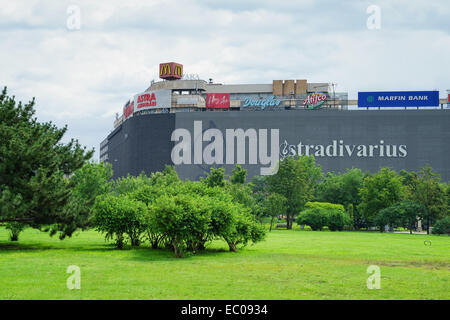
262 147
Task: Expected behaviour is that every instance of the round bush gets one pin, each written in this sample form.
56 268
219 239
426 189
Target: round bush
316 218
337 219
442 226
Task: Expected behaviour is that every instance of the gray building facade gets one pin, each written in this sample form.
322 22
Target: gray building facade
196 141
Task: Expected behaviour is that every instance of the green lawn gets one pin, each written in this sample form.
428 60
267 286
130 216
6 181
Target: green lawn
287 265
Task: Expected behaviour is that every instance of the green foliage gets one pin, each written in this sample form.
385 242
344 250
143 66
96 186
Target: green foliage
442 226
425 188
184 215
245 229
320 214
343 189
296 180
33 164
243 195
274 205
260 191
404 213
86 184
215 178
238 175
15 229
118 216
380 190
316 218
338 219
184 219
324 205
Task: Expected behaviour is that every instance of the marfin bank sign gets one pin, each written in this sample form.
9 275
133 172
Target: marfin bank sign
398 99
262 147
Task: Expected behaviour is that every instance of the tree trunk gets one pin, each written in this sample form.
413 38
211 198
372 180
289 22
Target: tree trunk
271 222
120 241
232 246
201 246
135 242
177 251
14 236
288 222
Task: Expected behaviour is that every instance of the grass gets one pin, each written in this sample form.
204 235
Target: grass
289 264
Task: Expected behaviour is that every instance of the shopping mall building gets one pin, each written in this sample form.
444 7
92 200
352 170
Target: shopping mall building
195 124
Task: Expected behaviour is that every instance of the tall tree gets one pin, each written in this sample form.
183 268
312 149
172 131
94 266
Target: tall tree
404 213
380 190
296 180
87 183
343 189
34 165
427 190
274 205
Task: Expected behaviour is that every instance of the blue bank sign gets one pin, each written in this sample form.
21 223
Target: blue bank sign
398 99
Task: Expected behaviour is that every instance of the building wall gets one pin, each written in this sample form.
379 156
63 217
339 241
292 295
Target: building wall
424 133
142 143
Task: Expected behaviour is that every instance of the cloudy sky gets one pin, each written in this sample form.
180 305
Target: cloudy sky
82 77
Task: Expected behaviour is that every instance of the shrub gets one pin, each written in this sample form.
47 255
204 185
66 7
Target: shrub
404 213
118 216
15 229
442 226
324 205
245 229
183 218
338 219
320 214
316 218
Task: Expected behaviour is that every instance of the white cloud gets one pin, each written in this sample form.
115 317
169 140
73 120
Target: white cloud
82 78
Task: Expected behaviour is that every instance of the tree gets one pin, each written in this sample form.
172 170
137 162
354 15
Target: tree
379 191
316 218
238 175
183 218
260 192
86 184
274 205
243 194
15 228
215 178
404 213
427 190
34 164
343 189
118 216
320 214
442 226
296 180
245 229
